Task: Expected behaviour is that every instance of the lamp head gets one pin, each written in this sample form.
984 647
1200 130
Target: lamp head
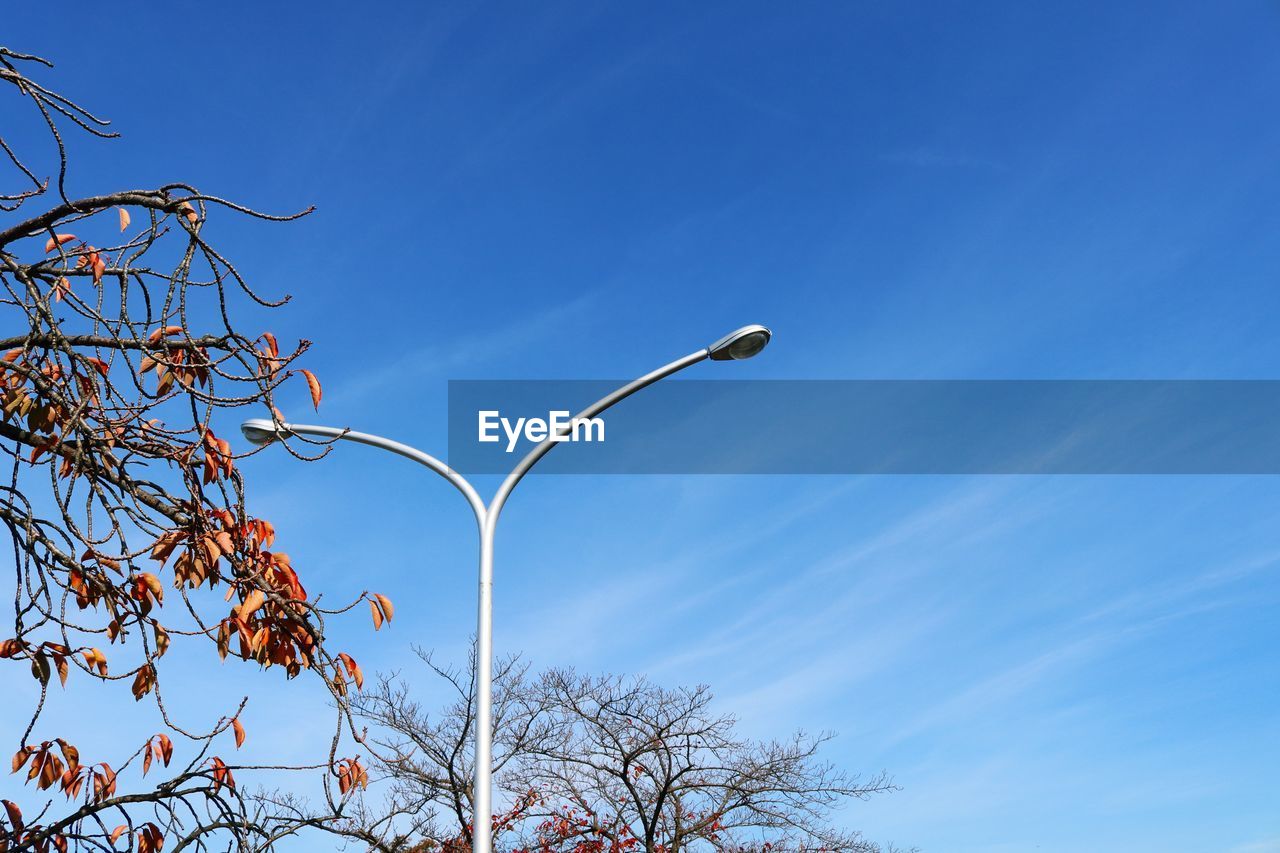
741 344
260 431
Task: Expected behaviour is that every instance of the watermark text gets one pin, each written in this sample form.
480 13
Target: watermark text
557 426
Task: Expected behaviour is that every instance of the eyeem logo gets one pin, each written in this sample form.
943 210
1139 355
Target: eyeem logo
558 426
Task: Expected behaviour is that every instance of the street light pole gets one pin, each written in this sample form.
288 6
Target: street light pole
737 345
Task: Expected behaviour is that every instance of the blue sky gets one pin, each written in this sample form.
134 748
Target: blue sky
902 190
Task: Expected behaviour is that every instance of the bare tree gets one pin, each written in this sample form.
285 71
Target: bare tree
124 344
427 759
601 765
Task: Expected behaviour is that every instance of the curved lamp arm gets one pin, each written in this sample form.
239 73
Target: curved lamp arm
263 431
738 345
531 459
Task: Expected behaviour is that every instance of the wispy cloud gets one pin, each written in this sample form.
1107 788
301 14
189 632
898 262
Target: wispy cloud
1262 845
1149 600
928 157
467 353
998 688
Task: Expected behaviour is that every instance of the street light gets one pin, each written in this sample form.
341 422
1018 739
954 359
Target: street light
740 344
737 345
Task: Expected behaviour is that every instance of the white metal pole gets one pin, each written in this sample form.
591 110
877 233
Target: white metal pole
481 822
481 828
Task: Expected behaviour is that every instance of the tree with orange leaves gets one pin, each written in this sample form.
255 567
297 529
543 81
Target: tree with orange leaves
124 345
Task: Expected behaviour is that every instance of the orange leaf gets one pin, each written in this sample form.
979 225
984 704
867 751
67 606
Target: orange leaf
57 240
252 602
104 783
124 219
95 658
70 753
155 336
49 773
15 816
314 385
239 732
376 612
143 682
221 775
344 780
119 831
20 757
150 839
385 603
353 668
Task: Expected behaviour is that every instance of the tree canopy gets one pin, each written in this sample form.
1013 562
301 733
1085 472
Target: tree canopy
127 513
597 764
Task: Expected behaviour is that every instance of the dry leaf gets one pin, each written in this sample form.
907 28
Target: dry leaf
57 240
314 385
385 603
